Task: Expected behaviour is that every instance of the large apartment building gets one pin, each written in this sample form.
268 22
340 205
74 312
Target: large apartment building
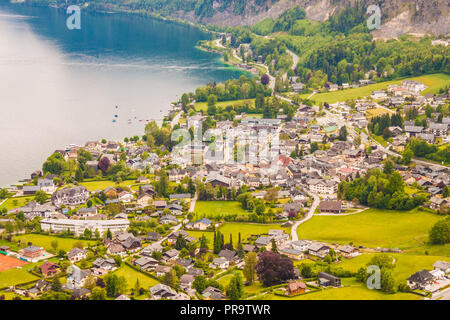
78 226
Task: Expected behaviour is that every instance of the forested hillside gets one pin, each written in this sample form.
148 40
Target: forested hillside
398 16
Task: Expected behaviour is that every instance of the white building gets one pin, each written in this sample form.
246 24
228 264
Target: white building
46 185
78 226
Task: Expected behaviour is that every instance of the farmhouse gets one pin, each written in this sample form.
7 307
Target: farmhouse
294 288
329 206
318 249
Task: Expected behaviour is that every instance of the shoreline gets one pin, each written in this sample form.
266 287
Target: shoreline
145 15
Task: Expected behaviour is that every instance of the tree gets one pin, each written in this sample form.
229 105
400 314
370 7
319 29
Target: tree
274 246
180 243
240 250
87 233
55 164
171 279
235 288
98 294
40 196
265 79
163 183
212 100
314 147
115 285
343 133
388 167
250 267
407 156
388 283
273 269
200 283
306 270
4 193
137 287
56 285
104 164
440 232
203 242
54 244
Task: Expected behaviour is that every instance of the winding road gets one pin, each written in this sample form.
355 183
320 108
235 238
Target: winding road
309 215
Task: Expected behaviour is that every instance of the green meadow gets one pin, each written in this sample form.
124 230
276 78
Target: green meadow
433 81
372 228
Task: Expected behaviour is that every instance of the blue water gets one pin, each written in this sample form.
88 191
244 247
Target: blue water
60 86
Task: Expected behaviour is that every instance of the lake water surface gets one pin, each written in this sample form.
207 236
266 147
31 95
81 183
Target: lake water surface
60 86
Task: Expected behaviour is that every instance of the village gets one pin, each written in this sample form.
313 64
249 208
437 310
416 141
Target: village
181 227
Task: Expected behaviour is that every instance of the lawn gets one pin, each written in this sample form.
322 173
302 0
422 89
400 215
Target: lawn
213 209
40 240
255 288
406 264
354 291
372 228
132 275
204 106
21 201
103 184
377 112
15 276
234 228
433 81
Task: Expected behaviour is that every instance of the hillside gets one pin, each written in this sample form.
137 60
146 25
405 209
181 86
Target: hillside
398 16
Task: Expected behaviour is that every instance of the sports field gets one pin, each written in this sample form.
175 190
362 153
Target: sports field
7 262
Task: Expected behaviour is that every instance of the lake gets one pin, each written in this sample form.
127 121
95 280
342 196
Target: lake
60 86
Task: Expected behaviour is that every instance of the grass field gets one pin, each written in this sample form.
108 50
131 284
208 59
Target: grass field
15 276
204 106
102 185
377 112
218 208
372 228
433 81
246 230
21 201
255 288
132 275
40 240
352 291
406 264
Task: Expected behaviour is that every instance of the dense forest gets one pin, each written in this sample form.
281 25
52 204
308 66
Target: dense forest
341 49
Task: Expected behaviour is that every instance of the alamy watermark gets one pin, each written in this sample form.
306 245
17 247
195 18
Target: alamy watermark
73 22
374 21
374 280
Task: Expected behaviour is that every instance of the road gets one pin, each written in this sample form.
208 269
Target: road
442 295
175 119
192 205
309 215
